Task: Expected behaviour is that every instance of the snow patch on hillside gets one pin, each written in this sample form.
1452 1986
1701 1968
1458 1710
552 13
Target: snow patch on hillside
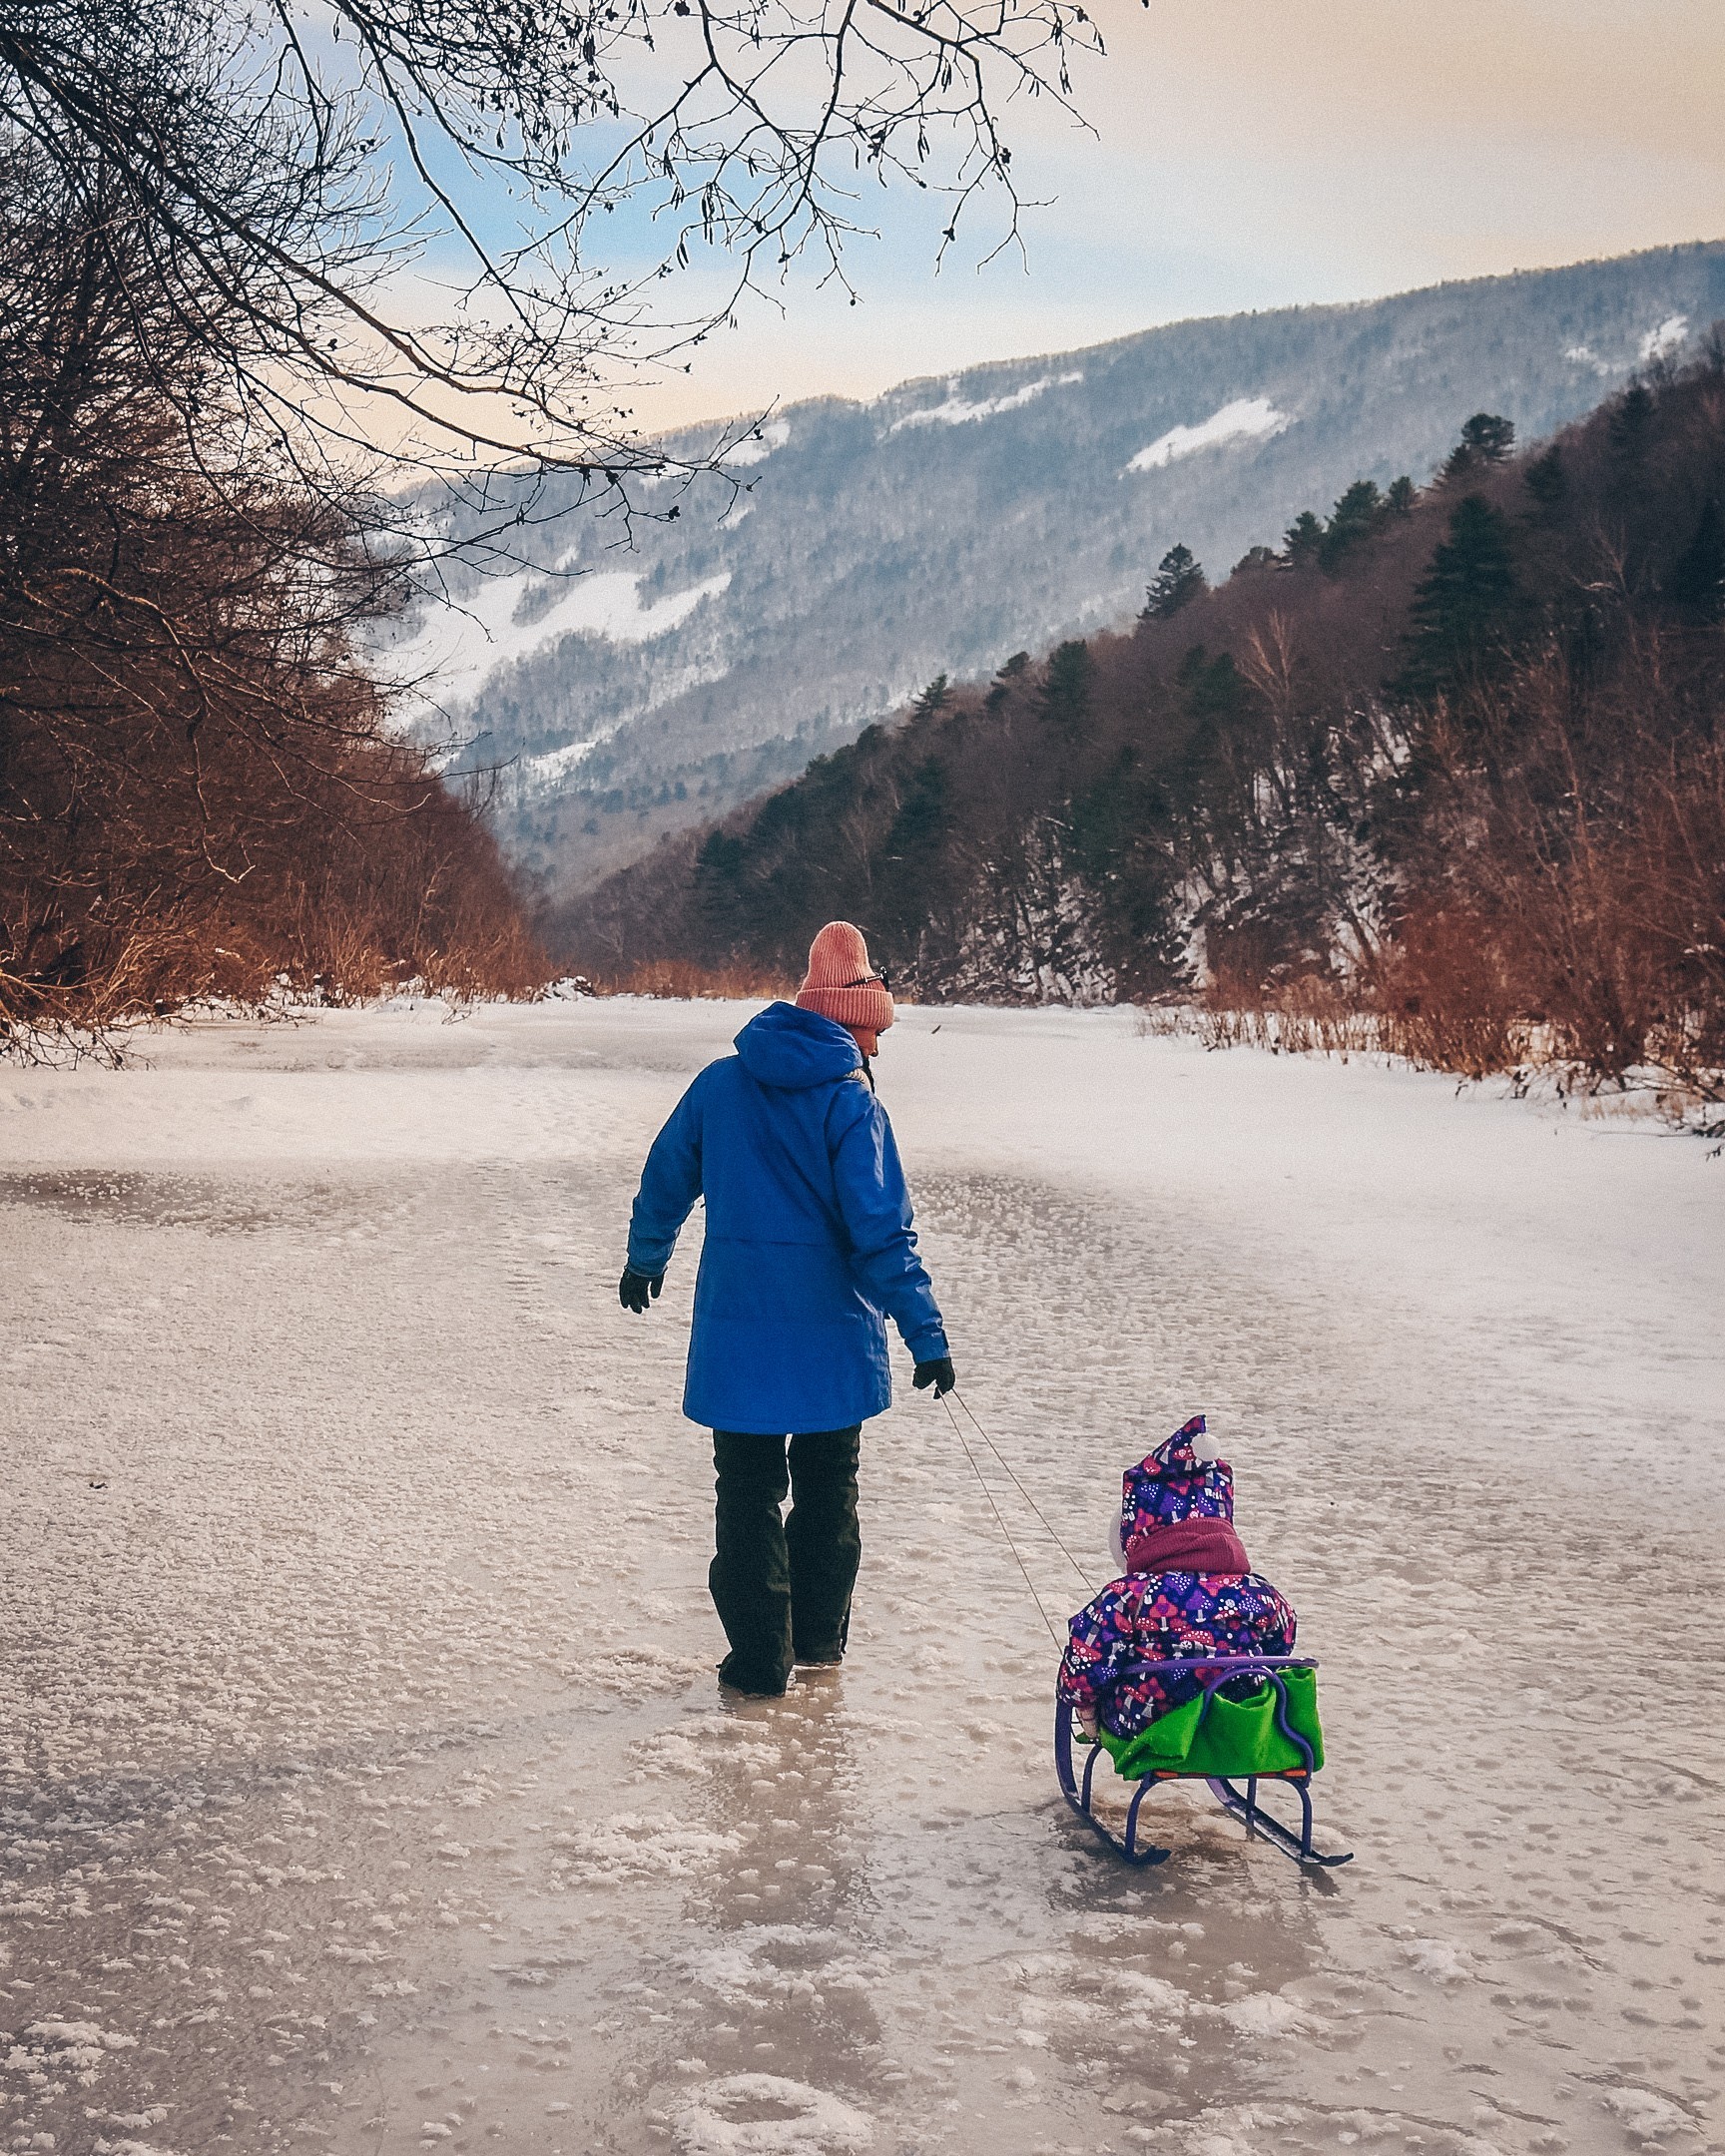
957 410
1584 355
1660 342
755 448
1245 419
537 775
454 650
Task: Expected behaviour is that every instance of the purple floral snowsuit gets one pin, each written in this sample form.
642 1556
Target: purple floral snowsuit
1153 1616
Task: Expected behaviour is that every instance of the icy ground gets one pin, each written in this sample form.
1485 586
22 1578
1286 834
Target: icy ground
366 1786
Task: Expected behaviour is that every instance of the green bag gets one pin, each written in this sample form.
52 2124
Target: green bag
1211 1735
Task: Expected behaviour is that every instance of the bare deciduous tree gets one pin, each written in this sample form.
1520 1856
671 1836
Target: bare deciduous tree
199 791
242 151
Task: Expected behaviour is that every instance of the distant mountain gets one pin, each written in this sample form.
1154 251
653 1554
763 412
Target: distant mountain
954 521
1451 783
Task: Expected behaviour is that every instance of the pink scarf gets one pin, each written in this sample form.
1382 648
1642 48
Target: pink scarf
1199 1544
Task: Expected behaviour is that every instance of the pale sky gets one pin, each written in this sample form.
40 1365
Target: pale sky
1259 153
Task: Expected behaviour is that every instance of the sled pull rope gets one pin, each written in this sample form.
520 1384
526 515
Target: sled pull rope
1005 1531
1047 1525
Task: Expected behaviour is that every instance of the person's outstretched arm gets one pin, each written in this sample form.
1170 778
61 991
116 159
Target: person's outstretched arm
875 1208
670 1185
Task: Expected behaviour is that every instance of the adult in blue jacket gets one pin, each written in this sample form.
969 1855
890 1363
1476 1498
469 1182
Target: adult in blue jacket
809 1249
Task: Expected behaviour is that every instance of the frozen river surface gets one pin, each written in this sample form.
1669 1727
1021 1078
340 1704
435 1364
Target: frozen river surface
367 1788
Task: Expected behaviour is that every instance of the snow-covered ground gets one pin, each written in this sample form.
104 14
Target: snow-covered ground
367 1785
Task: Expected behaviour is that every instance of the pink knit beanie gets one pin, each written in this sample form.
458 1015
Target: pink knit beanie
841 984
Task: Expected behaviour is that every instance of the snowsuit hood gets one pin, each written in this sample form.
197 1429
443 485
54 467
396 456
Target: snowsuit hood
792 1049
1177 1508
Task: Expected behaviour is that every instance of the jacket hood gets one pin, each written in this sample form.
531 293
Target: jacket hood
792 1049
1181 1480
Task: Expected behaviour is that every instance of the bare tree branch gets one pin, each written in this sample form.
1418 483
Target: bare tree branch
242 153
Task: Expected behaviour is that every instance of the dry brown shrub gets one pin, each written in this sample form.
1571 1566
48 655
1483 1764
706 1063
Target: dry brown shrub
1439 995
1574 898
1304 1017
676 980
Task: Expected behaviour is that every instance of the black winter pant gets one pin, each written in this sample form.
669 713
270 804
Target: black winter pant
782 1587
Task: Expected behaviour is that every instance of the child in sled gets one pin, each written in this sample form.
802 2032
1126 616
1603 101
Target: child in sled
1187 1589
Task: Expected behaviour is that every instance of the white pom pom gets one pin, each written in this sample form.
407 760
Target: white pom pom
1206 1448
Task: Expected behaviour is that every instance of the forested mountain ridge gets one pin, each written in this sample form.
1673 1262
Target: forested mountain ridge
627 693
1451 758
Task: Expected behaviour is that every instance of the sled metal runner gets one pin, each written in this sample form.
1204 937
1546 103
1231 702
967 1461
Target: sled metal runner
1243 1805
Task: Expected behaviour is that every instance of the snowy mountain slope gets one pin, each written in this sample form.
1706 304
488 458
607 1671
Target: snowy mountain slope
954 521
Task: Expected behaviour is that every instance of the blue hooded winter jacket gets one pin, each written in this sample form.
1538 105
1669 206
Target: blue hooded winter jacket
808 1237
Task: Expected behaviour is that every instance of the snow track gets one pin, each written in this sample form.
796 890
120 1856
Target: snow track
365 1782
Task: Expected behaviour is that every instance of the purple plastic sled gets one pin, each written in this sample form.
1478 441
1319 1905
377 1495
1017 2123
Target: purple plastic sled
1242 1805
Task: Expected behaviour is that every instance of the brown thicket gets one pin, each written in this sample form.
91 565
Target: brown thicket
677 980
199 792
1570 898
1445 776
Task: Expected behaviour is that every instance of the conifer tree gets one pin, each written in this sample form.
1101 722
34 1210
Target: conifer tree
1214 696
1697 580
914 861
1486 439
1211 688
1302 540
1401 497
1179 579
1547 480
720 869
1629 422
1256 558
934 698
1464 607
1000 686
920 825
1067 685
1356 517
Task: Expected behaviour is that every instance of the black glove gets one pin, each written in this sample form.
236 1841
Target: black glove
938 1374
634 1289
